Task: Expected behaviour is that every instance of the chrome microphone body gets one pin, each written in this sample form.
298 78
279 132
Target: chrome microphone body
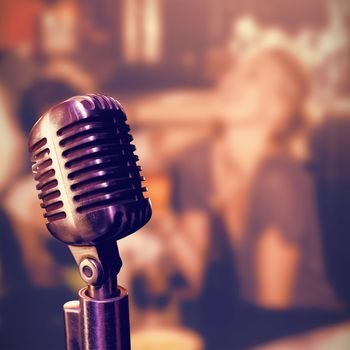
92 194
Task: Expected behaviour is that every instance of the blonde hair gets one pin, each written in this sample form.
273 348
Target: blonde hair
294 132
296 72
295 129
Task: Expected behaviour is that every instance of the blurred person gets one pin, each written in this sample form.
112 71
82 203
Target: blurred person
35 266
58 25
58 51
12 144
248 242
11 158
150 275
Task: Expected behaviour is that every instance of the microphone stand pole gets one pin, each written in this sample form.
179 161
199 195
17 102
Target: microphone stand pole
99 320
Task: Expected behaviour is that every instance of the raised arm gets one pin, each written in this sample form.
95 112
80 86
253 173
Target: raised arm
277 264
284 204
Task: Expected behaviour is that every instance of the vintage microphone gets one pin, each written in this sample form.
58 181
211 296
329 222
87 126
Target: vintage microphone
91 191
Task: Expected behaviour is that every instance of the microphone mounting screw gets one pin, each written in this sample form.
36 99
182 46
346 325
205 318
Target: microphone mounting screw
91 271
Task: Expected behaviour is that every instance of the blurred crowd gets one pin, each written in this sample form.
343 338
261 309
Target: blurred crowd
241 117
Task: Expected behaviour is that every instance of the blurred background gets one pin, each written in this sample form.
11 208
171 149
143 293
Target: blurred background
241 117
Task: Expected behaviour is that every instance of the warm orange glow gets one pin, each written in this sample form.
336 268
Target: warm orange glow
240 112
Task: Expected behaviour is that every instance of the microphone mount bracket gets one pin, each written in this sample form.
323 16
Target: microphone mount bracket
99 320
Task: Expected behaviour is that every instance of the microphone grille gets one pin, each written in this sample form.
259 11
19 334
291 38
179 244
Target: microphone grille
47 184
89 182
100 160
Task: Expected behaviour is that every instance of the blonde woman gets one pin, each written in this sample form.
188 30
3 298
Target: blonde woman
250 243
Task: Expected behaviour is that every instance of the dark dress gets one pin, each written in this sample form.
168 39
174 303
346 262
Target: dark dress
225 313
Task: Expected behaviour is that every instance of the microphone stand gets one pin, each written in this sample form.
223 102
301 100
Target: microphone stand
99 320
